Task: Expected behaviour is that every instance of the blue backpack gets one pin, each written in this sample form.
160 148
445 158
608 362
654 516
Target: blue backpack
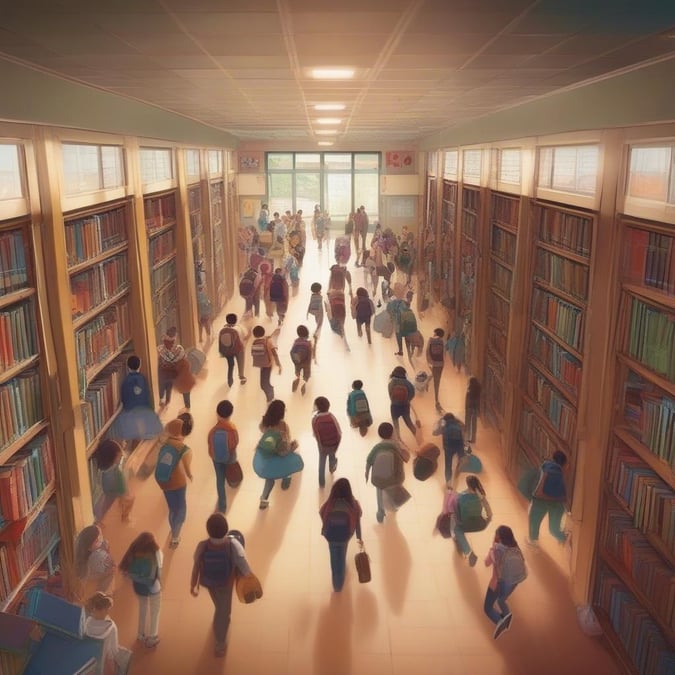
221 449
216 565
166 462
143 570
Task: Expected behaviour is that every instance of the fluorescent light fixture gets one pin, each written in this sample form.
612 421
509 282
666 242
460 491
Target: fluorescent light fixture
326 132
332 73
325 143
328 120
330 106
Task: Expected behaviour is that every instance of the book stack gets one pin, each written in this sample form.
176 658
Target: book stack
163 274
18 340
102 399
98 284
558 411
501 278
14 269
540 443
503 243
564 230
563 274
160 211
562 318
559 362
19 638
162 246
650 259
20 406
88 237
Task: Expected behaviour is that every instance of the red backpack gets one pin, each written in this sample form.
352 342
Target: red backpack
400 395
337 306
229 341
326 431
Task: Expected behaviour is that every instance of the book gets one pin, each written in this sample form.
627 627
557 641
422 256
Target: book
55 613
59 654
18 634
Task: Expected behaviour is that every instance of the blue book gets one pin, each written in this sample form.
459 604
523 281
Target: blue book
56 613
63 655
18 635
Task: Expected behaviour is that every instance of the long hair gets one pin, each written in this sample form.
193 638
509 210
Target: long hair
83 544
144 545
342 489
274 414
505 536
473 483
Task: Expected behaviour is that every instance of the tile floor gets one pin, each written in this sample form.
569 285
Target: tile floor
422 612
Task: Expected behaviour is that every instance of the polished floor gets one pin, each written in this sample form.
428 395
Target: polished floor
422 612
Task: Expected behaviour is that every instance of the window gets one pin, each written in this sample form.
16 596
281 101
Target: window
192 165
215 162
156 164
652 173
432 159
87 168
11 184
308 161
471 167
450 164
276 160
571 169
509 166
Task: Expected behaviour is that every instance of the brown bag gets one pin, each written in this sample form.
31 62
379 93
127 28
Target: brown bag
362 562
233 474
248 588
185 380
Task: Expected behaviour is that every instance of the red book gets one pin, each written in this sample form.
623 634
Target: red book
637 245
9 493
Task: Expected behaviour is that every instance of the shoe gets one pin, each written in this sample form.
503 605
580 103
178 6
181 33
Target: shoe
174 542
332 467
533 543
473 559
152 641
286 483
294 386
303 389
219 649
380 516
363 430
264 503
502 625
242 380
140 637
398 353
230 383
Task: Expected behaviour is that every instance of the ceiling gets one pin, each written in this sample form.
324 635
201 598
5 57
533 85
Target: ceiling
422 66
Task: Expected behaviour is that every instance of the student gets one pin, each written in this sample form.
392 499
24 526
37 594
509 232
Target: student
302 353
174 369
99 625
275 455
456 348
315 307
142 563
401 393
335 309
205 311
279 293
231 343
414 344
108 455
328 434
398 309
471 513
363 311
450 428
339 278
405 256
508 570
250 284
266 272
322 227
94 565
549 497
222 441
216 561
387 470
471 408
172 473
264 354
340 520
436 361
358 408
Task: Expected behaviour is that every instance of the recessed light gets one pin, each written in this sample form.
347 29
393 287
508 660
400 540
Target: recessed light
330 106
325 143
326 132
332 73
328 120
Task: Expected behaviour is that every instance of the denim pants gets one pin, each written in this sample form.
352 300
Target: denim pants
222 603
220 485
462 542
265 385
332 463
538 509
498 596
338 563
449 453
239 358
177 504
403 411
470 423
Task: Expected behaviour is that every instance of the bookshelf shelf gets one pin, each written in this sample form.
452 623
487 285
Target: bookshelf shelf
11 530
560 386
507 227
165 227
96 370
547 331
85 318
16 296
499 293
614 640
658 465
16 369
164 261
25 438
546 423
557 250
101 433
559 292
91 262
653 295
500 261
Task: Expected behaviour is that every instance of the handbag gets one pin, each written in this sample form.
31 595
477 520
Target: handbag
362 562
248 588
397 495
233 474
444 525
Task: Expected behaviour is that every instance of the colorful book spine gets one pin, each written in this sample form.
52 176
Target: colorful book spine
18 339
562 273
159 211
562 318
88 237
20 406
560 363
536 436
15 272
559 412
650 259
565 230
102 399
162 246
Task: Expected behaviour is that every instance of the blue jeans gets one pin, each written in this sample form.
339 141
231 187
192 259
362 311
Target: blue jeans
338 563
332 465
470 419
177 504
462 542
449 453
498 596
538 509
397 410
220 485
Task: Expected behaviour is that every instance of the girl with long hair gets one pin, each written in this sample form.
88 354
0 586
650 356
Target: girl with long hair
471 408
94 565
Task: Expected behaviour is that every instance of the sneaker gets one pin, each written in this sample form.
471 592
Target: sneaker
380 516
140 637
152 641
264 503
174 542
502 625
473 559
533 543
303 389
286 483
242 380
294 386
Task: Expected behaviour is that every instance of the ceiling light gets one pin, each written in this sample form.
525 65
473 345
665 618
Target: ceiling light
326 132
330 106
325 143
332 73
328 120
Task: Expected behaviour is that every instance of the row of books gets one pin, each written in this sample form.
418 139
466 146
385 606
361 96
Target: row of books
650 416
102 399
496 339
564 319
650 501
18 339
24 479
88 237
535 435
16 559
469 224
505 210
640 636
650 259
159 211
194 199
503 245
501 277
101 337
163 300
470 199
650 339
163 274
557 409
565 367
450 192
162 246
20 406
642 564
14 266
499 310
566 230
99 283
562 273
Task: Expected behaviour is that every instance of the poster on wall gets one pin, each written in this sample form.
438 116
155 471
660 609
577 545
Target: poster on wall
250 161
400 161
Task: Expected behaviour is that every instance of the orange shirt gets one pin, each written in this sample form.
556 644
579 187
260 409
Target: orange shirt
232 436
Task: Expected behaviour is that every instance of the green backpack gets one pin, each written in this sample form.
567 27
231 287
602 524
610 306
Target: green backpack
269 442
470 512
407 323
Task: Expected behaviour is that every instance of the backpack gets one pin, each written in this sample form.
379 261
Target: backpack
436 350
399 392
326 431
277 288
112 481
337 306
167 460
407 323
301 351
221 450
314 304
260 353
363 309
269 442
337 278
470 512
512 569
338 523
215 565
551 484
229 341
426 461
360 403
247 283
387 469
143 569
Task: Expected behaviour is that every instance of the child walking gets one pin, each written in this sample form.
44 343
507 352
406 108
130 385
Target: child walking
302 353
363 311
472 408
94 565
328 434
99 625
109 457
222 441
315 307
264 354
358 408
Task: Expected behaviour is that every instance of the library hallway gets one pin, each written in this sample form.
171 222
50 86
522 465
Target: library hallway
423 610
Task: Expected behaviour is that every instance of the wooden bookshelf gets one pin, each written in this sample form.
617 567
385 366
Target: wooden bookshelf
635 556
429 283
217 213
448 244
